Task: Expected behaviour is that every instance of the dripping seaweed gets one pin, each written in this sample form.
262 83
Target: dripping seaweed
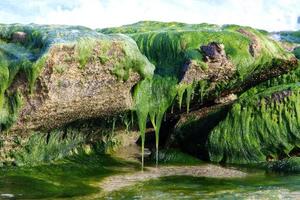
152 99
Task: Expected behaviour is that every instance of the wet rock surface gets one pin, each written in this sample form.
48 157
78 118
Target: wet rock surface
219 67
213 52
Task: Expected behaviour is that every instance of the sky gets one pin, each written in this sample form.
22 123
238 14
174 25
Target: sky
271 15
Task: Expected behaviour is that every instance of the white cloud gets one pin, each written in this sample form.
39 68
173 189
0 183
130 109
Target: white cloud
265 14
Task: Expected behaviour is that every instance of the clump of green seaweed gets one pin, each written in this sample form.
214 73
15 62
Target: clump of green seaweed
258 127
169 45
46 148
152 99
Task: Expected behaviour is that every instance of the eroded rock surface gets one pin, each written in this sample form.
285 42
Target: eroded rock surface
69 74
76 94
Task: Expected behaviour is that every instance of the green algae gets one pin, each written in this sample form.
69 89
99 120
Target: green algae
152 99
259 127
46 148
10 110
149 26
256 186
93 136
130 61
296 51
288 165
73 177
84 51
32 70
4 78
187 89
11 101
170 45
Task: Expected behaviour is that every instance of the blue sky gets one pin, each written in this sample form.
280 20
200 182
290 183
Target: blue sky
272 15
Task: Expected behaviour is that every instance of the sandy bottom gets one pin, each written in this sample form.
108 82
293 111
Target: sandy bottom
118 182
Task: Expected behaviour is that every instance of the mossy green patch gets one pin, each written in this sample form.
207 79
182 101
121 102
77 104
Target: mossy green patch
4 79
259 127
297 52
106 49
170 45
84 50
10 110
69 178
133 60
46 148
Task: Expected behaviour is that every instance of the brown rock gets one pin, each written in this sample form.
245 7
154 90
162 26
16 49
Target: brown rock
72 93
218 67
255 46
19 37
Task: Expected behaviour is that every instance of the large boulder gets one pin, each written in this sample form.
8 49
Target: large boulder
88 76
215 60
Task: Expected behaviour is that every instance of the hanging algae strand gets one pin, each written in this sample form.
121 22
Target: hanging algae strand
189 90
152 98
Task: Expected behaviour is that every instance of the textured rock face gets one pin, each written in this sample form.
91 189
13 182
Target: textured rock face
213 52
54 75
218 67
19 37
65 91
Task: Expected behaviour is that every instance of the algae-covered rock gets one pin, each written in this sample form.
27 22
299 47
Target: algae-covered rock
234 140
260 127
213 64
245 56
53 75
59 74
171 45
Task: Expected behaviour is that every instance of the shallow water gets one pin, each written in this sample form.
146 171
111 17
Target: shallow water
176 187
81 177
